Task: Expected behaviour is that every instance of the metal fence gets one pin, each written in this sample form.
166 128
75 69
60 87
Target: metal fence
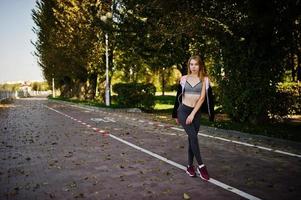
7 95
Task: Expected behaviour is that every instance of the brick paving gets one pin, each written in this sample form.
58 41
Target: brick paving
45 155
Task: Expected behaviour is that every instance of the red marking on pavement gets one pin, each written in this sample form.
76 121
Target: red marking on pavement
96 129
104 133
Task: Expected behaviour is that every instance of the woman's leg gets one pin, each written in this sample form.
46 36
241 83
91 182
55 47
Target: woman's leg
190 129
194 143
190 154
196 124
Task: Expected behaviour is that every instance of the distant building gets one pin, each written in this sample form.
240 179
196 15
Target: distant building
25 88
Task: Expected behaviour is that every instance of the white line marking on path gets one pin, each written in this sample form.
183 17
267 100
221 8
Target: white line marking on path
105 119
211 180
214 137
178 129
244 143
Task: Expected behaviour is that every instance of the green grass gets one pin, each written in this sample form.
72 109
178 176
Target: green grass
160 106
164 102
86 102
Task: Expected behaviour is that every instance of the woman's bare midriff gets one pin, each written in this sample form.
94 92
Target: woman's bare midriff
190 99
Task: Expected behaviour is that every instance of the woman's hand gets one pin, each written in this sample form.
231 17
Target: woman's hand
189 119
177 121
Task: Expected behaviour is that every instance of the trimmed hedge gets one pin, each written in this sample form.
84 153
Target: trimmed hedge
135 95
286 101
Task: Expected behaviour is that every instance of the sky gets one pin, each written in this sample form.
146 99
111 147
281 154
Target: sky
17 62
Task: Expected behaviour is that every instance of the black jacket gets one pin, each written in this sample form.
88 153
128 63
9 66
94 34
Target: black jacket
207 106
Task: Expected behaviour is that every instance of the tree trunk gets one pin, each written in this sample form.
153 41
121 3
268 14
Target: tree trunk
298 67
163 82
291 63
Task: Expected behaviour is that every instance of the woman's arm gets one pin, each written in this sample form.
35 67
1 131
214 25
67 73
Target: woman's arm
198 104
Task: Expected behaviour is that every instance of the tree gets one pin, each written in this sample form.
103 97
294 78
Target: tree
68 45
247 45
253 59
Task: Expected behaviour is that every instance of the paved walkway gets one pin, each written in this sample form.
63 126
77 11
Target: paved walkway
53 150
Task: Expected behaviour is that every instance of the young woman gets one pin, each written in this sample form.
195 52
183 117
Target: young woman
190 97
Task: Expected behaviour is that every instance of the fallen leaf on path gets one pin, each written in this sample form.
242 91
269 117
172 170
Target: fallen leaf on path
186 196
80 195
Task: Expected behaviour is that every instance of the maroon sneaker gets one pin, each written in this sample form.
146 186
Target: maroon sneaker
190 171
203 172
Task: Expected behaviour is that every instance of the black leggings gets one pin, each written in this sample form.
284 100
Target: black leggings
192 132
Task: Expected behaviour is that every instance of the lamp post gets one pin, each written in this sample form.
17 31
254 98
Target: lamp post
107 89
163 81
107 72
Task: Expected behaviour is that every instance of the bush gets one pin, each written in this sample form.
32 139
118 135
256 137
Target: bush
287 100
40 86
10 87
171 88
217 96
135 95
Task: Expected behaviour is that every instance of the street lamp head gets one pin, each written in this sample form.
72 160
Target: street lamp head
103 18
109 15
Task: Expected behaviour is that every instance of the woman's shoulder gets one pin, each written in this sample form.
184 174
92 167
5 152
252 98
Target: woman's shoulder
207 79
183 79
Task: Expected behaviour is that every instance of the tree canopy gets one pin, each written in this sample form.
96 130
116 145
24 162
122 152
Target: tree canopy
246 45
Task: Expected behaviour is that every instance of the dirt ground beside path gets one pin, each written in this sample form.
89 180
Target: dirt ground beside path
45 155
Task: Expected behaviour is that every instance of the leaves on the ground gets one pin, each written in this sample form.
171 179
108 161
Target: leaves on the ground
80 195
73 184
186 196
167 191
69 155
